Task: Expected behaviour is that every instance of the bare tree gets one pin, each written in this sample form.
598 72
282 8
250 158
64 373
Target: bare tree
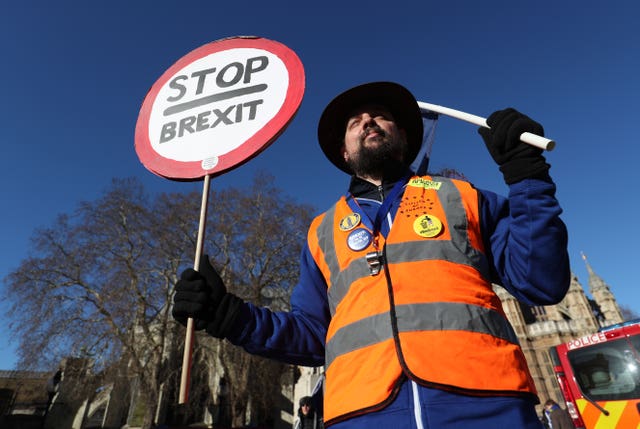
99 282
628 313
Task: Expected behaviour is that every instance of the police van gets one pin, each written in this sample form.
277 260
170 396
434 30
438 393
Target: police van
599 376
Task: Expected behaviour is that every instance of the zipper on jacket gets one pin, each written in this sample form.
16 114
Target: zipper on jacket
417 407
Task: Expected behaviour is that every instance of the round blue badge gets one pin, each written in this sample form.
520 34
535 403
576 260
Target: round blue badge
359 239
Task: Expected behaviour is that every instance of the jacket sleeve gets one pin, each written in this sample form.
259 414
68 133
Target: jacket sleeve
526 241
297 336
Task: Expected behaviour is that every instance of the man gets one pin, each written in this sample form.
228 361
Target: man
395 295
558 417
308 417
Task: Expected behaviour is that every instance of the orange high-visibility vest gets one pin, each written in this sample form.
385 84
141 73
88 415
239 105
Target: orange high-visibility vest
430 313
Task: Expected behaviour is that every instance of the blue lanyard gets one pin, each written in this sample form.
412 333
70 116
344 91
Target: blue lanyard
385 207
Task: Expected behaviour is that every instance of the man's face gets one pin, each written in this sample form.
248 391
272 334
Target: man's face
372 141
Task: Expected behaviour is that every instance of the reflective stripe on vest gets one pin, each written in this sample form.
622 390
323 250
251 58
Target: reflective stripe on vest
444 316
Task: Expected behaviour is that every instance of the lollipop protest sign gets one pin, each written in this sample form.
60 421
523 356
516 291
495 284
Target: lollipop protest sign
213 110
218 106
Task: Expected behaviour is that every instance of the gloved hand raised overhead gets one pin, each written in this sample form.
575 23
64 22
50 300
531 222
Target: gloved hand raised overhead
517 160
203 296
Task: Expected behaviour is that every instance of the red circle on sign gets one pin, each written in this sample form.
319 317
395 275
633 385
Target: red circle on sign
218 106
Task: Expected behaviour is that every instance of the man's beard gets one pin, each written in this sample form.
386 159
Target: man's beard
386 160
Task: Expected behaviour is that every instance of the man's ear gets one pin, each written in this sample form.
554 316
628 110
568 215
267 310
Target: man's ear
344 153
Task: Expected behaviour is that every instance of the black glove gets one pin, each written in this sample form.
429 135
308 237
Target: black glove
517 160
203 296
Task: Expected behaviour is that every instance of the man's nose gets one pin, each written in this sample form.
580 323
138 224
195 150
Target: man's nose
368 121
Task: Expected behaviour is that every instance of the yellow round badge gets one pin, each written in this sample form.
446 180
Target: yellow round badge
427 226
349 222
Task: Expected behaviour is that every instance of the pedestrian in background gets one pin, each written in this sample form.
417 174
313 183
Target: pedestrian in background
559 417
308 417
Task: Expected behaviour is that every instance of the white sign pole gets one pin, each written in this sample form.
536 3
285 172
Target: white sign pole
529 138
188 341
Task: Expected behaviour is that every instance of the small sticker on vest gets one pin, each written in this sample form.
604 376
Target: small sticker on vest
427 226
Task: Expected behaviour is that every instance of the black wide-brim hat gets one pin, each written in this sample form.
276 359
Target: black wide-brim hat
400 102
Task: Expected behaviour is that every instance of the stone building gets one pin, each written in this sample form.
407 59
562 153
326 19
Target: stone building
23 399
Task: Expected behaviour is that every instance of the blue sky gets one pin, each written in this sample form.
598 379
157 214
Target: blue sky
74 75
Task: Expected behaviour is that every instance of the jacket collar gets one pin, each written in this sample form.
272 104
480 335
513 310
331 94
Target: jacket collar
361 188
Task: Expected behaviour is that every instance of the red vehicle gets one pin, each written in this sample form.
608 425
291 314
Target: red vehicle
599 376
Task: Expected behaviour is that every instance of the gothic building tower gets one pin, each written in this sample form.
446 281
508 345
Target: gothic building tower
605 305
